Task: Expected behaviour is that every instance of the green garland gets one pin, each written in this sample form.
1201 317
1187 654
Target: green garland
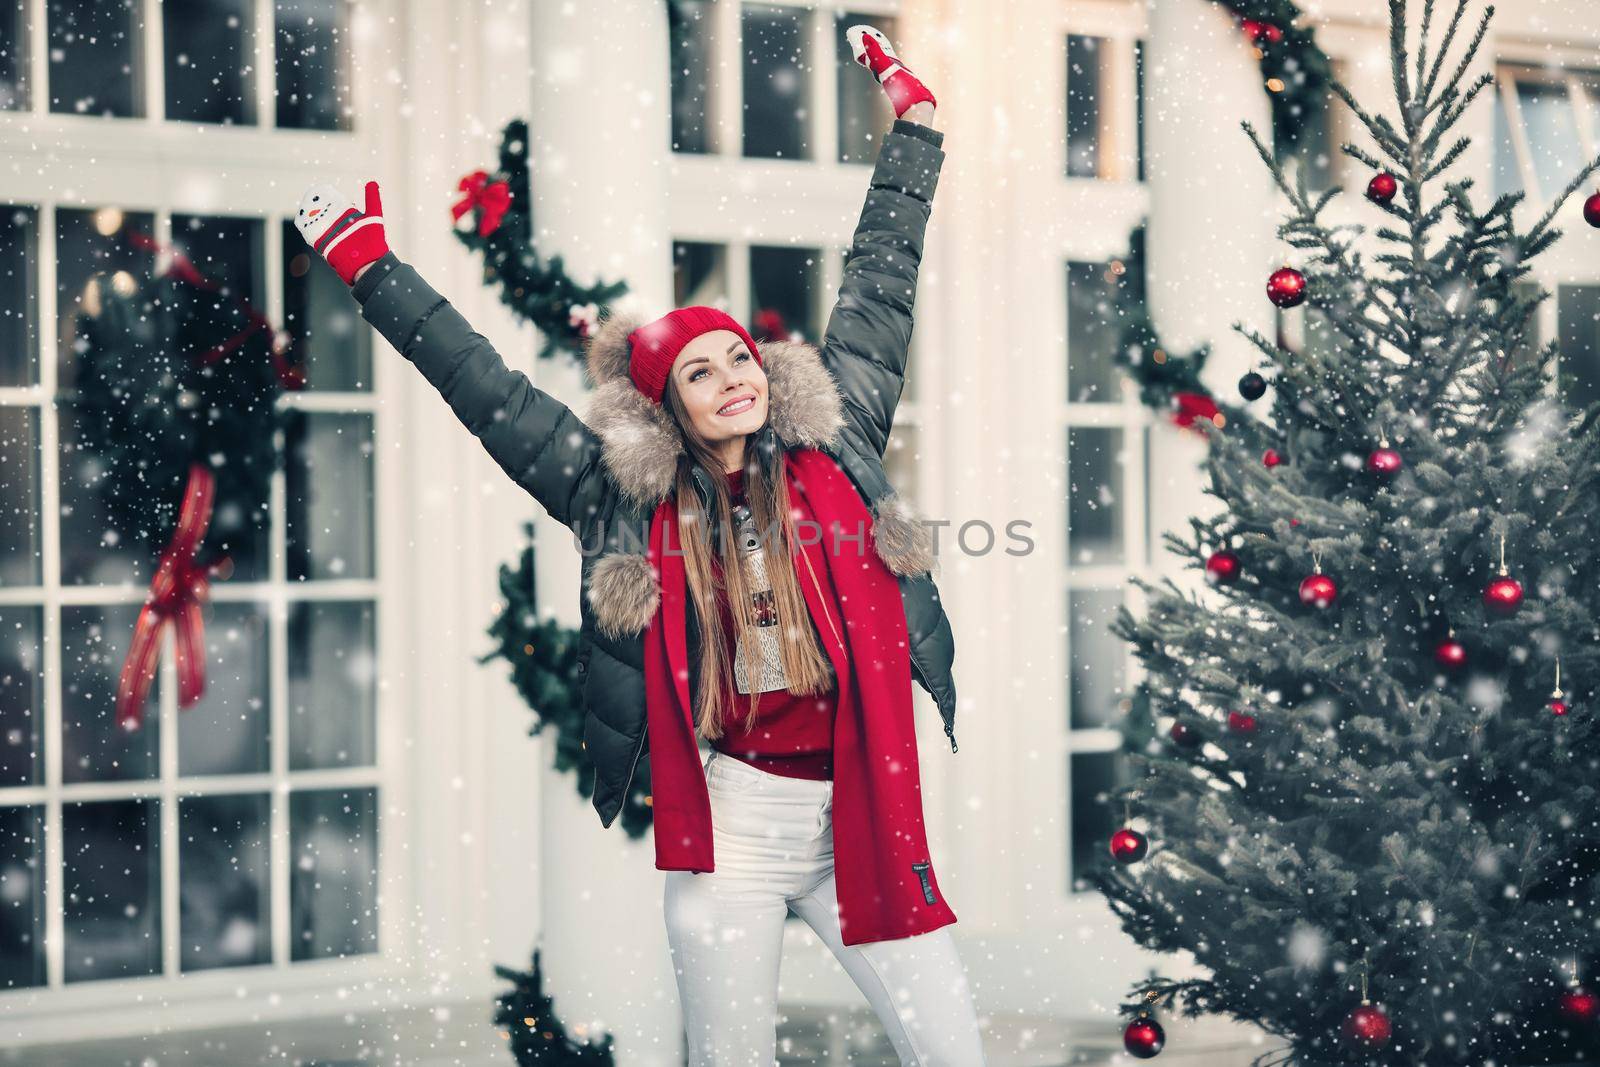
496 219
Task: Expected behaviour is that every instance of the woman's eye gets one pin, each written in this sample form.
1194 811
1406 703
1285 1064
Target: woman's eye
695 376
741 355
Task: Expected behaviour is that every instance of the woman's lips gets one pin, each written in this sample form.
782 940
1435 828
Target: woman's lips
738 407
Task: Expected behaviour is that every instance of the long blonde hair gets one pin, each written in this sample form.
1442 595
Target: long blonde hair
805 665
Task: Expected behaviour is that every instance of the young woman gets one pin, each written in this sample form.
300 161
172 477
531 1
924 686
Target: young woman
749 579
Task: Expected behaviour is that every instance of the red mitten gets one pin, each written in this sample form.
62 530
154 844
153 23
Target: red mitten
347 238
872 50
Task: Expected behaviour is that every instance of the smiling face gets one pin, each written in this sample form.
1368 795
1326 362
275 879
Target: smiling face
722 388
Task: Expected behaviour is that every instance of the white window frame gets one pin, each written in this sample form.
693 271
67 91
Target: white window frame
147 164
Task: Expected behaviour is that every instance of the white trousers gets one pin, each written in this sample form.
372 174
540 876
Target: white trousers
773 840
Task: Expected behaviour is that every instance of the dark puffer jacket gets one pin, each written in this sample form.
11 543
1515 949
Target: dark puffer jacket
603 477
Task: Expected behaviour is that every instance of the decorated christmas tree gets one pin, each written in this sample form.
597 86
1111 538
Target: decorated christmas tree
1368 806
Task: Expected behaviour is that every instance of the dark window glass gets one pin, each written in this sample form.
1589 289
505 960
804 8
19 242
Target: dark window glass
14 89
1094 496
693 61
333 874
864 109
225 732
1097 655
19 297
699 274
329 490
312 49
95 65
210 60
224 892
22 890
1083 105
21 706
329 340
1579 367
20 537
1091 333
777 83
783 292
104 242
94 643
112 889
333 684
1094 817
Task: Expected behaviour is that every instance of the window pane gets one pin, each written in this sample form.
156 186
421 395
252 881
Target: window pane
112 889
1532 338
333 889
777 83
95 66
693 60
20 548
783 292
90 242
1092 775
94 642
1507 173
333 702
1091 333
1083 106
1098 658
21 897
224 889
1579 363
14 89
92 549
864 108
225 731
699 274
19 296
1094 496
313 64
21 701
329 340
1551 127
329 490
210 60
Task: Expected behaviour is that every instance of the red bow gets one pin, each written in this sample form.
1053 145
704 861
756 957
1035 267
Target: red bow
492 199
177 591
1189 407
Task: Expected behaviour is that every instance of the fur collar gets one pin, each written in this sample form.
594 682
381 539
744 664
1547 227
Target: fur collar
640 442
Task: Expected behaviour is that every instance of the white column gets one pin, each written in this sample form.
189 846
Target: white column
1213 214
601 143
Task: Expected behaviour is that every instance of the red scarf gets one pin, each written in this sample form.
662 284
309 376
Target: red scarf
882 868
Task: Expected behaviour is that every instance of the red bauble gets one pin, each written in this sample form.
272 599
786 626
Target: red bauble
1183 735
1368 1025
1254 29
1144 1039
1381 189
1286 287
1128 846
1318 591
1223 567
1271 458
1450 654
1503 596
1384 462
1579 1005
1241 723
1591 210
1559 707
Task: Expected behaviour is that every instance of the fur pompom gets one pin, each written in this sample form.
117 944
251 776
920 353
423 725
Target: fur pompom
624 593
904 543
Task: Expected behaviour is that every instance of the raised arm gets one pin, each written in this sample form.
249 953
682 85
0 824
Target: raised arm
535 438
869 332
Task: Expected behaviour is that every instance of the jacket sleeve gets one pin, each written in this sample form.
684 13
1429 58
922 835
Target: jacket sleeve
869 332
534 437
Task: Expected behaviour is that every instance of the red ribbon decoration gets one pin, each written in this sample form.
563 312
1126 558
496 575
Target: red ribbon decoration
1189 407
178 590
491 199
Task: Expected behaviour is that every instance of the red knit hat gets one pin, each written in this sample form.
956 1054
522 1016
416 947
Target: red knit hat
654 346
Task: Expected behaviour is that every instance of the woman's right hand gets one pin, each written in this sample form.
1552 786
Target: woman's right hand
348 238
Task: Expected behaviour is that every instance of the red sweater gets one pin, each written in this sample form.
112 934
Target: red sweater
792 734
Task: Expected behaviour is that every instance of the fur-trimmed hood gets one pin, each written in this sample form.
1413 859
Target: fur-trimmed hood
641 446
